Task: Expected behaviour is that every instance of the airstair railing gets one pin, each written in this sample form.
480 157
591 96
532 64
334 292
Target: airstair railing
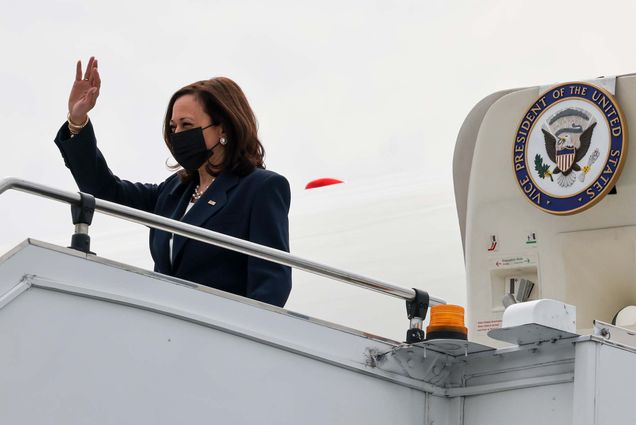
83 205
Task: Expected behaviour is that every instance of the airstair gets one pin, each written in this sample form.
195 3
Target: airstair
87 340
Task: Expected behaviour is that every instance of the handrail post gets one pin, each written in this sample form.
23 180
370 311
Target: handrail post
416 310
82 215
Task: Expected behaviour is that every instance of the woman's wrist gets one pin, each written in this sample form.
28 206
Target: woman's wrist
74 127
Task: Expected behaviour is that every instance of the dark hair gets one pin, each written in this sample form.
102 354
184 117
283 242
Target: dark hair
226 104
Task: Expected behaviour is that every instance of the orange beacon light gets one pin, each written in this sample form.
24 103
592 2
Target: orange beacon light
447 321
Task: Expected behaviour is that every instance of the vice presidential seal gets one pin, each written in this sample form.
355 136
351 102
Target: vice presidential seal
570 148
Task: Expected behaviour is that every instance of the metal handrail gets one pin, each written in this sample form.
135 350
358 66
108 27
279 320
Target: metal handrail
214 238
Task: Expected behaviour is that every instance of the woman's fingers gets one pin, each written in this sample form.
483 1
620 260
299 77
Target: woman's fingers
78 71
94 75
89 68
91 98
97 80
94 94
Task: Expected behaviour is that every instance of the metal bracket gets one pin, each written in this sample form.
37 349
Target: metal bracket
529 333
614 333
82 215
416 310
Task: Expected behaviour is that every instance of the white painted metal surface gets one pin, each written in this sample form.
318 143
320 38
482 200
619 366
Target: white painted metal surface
91 342
585 259
86 340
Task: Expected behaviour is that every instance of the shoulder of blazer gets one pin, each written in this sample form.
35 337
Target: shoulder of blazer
260 175
265 186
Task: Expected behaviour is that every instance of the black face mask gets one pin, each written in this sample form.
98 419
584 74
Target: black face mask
188 148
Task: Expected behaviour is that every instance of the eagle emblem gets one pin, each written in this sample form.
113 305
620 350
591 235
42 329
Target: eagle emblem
569 148
568 135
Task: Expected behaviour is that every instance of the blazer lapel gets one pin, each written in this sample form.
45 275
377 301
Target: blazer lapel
180 196
176 203
210 203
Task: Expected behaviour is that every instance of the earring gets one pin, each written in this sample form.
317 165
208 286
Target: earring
223 141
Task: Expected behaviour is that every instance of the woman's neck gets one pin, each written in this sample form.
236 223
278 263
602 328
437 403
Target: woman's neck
205 179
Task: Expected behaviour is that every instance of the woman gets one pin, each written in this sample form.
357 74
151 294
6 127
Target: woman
211 131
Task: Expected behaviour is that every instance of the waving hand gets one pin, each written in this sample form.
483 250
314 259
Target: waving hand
84 92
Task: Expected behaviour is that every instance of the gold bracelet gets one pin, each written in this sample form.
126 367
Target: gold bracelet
74 128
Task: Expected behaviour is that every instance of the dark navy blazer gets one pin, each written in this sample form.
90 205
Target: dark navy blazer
253 207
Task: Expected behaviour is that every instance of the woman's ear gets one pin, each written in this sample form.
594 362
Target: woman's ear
222 135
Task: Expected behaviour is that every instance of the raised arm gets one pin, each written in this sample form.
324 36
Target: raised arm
78 146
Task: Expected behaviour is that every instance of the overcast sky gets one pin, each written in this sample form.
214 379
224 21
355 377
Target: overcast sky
358 90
